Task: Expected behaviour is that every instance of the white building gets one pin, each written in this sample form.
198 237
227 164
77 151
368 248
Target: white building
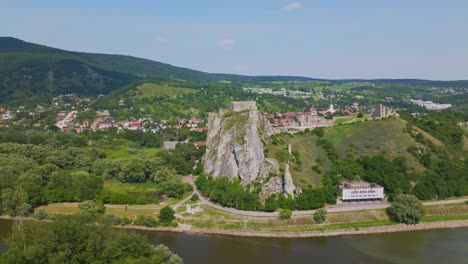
361 191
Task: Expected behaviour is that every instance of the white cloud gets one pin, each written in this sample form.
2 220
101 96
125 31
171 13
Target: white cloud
292 6
226 43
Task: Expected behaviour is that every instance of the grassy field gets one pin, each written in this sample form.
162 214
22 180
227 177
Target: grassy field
384 136
115 192
124 152
341 120
72 208
152 89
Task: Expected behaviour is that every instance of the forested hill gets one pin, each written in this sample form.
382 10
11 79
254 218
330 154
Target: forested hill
33 72
29 71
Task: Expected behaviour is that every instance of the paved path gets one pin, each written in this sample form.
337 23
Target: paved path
348 207
182 202
344 207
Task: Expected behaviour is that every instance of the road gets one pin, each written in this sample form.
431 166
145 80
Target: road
331 209
348 207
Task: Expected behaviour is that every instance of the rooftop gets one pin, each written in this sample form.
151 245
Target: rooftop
360 185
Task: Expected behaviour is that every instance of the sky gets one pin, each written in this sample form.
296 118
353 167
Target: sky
336 39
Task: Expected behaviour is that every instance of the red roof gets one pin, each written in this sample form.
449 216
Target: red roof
200 143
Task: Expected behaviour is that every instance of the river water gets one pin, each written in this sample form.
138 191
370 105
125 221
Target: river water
447 246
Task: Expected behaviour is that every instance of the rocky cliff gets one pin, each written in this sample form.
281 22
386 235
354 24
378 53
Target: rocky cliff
234 144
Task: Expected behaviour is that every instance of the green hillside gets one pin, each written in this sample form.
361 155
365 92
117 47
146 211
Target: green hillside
310 160
31 72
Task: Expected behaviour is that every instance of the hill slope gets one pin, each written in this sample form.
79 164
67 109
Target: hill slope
32 71
384 136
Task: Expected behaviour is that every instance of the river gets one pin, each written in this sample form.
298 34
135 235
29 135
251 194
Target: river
432 246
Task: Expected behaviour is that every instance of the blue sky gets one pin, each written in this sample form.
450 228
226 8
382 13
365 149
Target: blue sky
316 38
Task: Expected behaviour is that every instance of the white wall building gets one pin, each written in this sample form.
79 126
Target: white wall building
361 191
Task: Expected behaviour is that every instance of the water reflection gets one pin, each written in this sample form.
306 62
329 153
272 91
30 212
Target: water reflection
435 246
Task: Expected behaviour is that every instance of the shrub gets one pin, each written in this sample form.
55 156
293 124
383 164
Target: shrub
285 214
41 215
147 221
320 215
194 198
406 209
114 219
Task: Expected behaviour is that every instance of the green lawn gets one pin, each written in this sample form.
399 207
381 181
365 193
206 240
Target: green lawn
152 89
341 120
115 192
124 152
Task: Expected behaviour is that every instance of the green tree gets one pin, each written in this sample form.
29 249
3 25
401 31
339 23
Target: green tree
320 215
91 209
15 202
169 182
166 215
406 209
271 204
74 239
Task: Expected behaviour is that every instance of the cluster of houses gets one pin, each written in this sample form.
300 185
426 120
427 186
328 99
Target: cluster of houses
311 118
281 92
66 121
429 105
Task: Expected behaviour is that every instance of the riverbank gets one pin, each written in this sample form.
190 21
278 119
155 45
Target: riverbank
338 232
389 227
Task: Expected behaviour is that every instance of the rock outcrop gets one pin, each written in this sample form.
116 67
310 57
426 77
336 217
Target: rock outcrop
234 144
273 186
289 186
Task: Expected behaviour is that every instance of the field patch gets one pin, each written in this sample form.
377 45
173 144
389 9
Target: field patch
115 192
148 90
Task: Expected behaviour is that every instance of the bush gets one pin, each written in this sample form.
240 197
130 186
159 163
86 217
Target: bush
320 215
114 219
319 131
166 215
194 198
125 221
147 221
406 209
41 215
285 214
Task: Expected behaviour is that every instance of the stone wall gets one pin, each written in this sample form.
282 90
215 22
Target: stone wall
238 106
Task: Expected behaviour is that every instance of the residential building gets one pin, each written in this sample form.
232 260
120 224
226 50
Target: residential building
381 111
361 191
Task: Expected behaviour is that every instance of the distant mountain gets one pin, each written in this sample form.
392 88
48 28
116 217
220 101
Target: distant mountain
31 72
